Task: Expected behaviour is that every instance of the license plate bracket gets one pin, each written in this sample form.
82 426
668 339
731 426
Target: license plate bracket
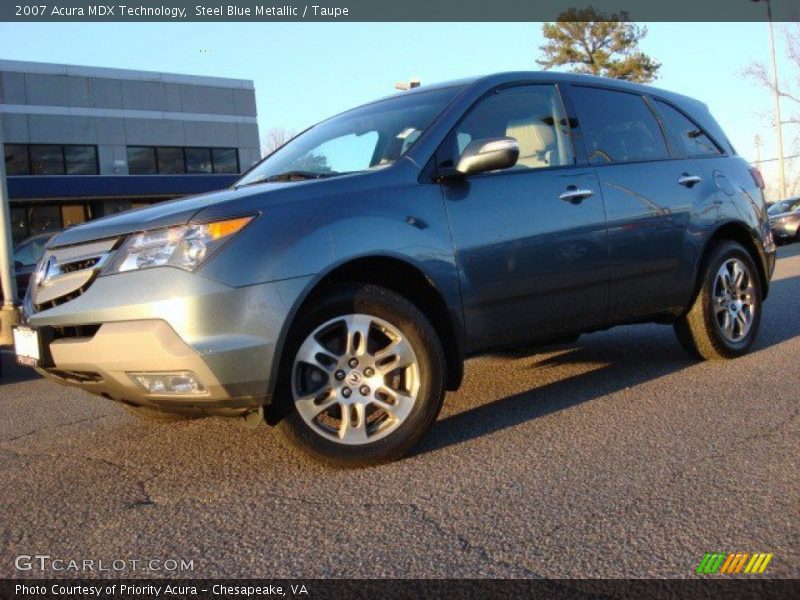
32 346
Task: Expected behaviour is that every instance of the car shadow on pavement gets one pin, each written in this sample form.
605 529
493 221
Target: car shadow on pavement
623 358
619 367
11 372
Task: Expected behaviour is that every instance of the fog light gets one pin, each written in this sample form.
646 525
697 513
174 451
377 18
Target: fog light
181 383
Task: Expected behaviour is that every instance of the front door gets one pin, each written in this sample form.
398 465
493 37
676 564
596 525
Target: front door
530 241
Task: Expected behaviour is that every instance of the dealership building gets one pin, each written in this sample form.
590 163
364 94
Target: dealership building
84 142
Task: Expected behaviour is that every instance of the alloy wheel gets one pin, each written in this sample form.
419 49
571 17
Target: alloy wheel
734 300
355 379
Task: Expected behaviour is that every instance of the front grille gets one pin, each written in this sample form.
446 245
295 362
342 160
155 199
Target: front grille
65 273
65 298
86 332
80 265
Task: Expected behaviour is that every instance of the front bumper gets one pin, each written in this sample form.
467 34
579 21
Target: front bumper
167 319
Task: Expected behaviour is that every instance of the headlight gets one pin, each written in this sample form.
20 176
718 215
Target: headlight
185 246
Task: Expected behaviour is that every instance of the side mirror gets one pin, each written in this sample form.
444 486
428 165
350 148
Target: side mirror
490 154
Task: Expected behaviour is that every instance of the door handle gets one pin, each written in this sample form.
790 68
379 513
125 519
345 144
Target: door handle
575 194
689 180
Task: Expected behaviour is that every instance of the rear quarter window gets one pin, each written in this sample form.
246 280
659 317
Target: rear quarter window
695 141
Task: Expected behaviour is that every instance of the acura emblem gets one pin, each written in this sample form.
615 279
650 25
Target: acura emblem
45 270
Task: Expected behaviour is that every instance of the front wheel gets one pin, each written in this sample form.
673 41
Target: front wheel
366 379
726 313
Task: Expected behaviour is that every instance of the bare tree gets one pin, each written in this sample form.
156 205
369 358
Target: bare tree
790 87
274 138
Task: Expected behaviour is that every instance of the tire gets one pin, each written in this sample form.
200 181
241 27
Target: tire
717 326
395 389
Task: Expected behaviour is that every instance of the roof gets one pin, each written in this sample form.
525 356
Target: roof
39 68
546 76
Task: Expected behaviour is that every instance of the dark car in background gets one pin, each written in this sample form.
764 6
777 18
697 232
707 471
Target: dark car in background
784 221
26 255
337 288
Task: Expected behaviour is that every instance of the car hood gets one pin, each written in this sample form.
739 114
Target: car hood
163 214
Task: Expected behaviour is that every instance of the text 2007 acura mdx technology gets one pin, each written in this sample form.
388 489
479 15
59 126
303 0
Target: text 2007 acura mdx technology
338 286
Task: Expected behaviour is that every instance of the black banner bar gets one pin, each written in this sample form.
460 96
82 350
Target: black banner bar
394 11
404 589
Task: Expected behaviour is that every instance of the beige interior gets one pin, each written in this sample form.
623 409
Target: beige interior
537 143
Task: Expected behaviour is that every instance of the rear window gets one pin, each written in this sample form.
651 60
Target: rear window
618 126
694 139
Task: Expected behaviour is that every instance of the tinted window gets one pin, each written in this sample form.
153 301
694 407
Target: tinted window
141 160
694 139
47 160
783 207
44 218
533 115
80 160
16 157
170 160
198 160
618 126
226 160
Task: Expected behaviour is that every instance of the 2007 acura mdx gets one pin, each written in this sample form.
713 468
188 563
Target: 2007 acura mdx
338 286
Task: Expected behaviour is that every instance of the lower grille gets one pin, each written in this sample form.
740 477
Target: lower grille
75 331
77 376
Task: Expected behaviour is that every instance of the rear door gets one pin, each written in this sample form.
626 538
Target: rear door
654 197
532 264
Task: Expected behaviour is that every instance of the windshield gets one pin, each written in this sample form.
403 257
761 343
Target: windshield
369 137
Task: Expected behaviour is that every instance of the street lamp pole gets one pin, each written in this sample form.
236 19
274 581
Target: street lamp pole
8 312
777 99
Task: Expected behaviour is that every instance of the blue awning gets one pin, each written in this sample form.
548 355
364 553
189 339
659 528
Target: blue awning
28 187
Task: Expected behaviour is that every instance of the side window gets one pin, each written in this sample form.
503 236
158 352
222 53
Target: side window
694 139
533 115
618 126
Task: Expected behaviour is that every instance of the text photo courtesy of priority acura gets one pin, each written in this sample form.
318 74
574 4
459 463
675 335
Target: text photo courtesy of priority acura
336 289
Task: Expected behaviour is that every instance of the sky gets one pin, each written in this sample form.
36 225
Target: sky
304 72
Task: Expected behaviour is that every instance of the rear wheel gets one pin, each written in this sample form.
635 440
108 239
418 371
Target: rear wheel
366 379
726 313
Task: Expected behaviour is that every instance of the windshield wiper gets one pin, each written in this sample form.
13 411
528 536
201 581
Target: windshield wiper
291 176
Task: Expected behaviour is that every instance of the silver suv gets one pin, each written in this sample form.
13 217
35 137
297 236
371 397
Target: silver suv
338 286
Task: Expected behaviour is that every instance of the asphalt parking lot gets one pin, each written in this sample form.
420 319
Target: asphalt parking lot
617 456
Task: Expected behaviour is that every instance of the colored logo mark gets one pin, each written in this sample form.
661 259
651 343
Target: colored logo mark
734 562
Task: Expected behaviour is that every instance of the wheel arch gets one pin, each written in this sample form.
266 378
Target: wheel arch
398 275
740 232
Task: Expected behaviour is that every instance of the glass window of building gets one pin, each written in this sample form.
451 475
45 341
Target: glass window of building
170 160
142 160
198 160
226 160
80 160
46 159
16 158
